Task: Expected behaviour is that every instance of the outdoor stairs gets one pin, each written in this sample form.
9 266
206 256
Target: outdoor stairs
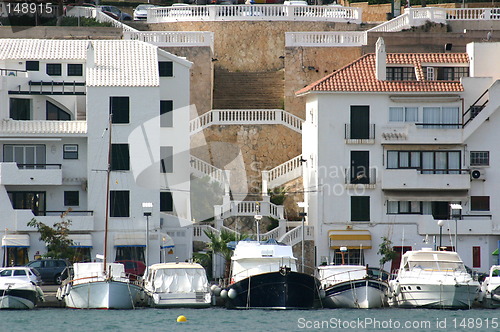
248 90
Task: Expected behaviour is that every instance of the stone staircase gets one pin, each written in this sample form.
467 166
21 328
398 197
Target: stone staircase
245 90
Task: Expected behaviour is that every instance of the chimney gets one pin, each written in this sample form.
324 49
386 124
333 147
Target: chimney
90 55
380 60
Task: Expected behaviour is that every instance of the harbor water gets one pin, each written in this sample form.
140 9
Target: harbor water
220 319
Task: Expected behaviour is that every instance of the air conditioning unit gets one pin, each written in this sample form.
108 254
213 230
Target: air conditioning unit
477 174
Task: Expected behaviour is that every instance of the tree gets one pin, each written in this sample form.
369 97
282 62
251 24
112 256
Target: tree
385 249
56 238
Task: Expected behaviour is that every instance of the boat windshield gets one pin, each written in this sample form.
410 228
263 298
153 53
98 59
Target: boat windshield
436 266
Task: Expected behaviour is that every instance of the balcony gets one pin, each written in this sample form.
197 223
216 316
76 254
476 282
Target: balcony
80 220
361 179
416 179
358 135
30 174
420 133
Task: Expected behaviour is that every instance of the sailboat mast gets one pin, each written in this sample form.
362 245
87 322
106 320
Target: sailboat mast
108 171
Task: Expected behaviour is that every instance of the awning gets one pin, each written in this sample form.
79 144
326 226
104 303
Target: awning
133 239
81 240
16 240
495 253
166 241
426 195
352 239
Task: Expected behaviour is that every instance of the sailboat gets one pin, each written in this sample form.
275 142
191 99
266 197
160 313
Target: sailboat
101 285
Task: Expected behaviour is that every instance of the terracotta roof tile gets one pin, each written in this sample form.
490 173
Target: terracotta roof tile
360 75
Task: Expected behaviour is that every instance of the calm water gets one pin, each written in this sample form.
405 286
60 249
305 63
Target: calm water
219 319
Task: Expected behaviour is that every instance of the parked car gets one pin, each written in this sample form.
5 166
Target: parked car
51 270
115 13
133 268
21 273
141 12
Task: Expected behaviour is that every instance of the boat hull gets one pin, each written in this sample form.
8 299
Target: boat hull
274 290
18 298
106 294
180 300
448 296
361 293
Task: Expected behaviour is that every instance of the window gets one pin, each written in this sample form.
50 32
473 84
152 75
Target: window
403 207
56 113
429 162
26 156
479 158
119 202
445 73
166 113
119 108
75 69
351 257
403 114
480 203
441 117
54 69
360 208
70 151
120 158
28 200
166 202
20 109
166 68
167 161
32 65
133 253
476 257
71 198
15 256
401 74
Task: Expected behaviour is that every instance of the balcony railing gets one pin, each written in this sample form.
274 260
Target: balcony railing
353 135
39 166
361 176
439 125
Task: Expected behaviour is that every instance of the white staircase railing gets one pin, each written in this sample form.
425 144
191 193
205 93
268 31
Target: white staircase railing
282 174
249 209
173 38
242 117
199 234
272 234
294 236
325 39
201 168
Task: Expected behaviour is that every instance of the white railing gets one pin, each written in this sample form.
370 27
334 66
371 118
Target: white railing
229 230
254 13
325 39
205 169
241 117
295 235
281 174
199 234
472 14
249 209
173 38
272 234
9 126
396 24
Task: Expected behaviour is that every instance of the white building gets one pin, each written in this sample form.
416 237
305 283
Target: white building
391 140
56 97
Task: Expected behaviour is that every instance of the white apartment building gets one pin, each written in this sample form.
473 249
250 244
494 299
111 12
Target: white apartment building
56 98
391 141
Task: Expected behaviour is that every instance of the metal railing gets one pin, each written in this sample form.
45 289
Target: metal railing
39 166
350 134
474 109
363 176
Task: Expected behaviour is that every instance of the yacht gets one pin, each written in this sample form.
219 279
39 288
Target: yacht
170 285
353 286
19 288
433 279
489 292
264 275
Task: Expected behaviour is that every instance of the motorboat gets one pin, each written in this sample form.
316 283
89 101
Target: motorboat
264 275
19 288
353 286
432 279
489 292
170 285
95 287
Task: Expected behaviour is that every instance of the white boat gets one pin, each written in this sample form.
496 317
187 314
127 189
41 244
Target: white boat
264 275
177 285
433 279
18 290
93 287
353 286
489 292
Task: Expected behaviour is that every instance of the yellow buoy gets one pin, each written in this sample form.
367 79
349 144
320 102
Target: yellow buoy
181 318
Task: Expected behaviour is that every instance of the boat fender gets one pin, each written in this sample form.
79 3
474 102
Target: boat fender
59 295
223 294
322 293
232 293
397 289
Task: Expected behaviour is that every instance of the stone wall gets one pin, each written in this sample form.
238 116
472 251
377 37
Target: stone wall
309 264
201 75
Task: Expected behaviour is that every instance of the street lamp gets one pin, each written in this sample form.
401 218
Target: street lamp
456 213
440 224
257 218
303 214
147 209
